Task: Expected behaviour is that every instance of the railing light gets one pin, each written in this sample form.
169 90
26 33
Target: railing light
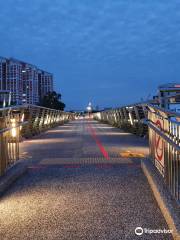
13 130
130 118
22 120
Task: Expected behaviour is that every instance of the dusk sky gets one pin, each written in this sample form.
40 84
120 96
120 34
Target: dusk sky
109 52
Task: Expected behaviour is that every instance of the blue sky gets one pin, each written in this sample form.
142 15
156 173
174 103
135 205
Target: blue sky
110 52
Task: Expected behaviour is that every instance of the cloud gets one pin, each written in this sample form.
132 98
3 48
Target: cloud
95 39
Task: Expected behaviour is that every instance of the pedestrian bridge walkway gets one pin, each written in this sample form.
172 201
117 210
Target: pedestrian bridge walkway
84 181
84 141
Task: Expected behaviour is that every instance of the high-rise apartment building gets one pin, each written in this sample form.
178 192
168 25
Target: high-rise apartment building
45 81
24 81
11 78
3 73
30 83
14 80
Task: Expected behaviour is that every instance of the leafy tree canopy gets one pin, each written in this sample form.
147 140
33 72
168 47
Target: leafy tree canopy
53 100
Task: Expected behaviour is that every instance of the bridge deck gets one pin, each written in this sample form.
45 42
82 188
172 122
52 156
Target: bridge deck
84 182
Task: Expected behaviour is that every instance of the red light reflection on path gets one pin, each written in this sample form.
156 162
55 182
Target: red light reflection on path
99 144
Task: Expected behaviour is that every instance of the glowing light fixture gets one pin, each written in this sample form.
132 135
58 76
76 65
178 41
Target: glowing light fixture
13 130
131 119
89 107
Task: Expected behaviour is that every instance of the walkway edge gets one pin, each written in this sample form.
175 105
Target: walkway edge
11 176
167 205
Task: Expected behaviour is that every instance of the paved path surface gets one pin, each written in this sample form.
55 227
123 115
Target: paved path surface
84 182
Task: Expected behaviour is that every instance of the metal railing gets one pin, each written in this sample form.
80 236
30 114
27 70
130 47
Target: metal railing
9 145
164 143
40 119
24 121
130 118
163 129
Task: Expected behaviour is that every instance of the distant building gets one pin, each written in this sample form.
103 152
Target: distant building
169 96
30 83
11 78
24 82
3 73
45 83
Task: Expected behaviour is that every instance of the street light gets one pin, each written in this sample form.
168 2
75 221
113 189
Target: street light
89 108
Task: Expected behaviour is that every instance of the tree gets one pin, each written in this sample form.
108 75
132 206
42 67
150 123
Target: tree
52 100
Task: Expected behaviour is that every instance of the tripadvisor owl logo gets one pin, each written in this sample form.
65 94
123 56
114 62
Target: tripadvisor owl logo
139 231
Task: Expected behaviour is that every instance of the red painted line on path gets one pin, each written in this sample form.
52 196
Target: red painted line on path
98 142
